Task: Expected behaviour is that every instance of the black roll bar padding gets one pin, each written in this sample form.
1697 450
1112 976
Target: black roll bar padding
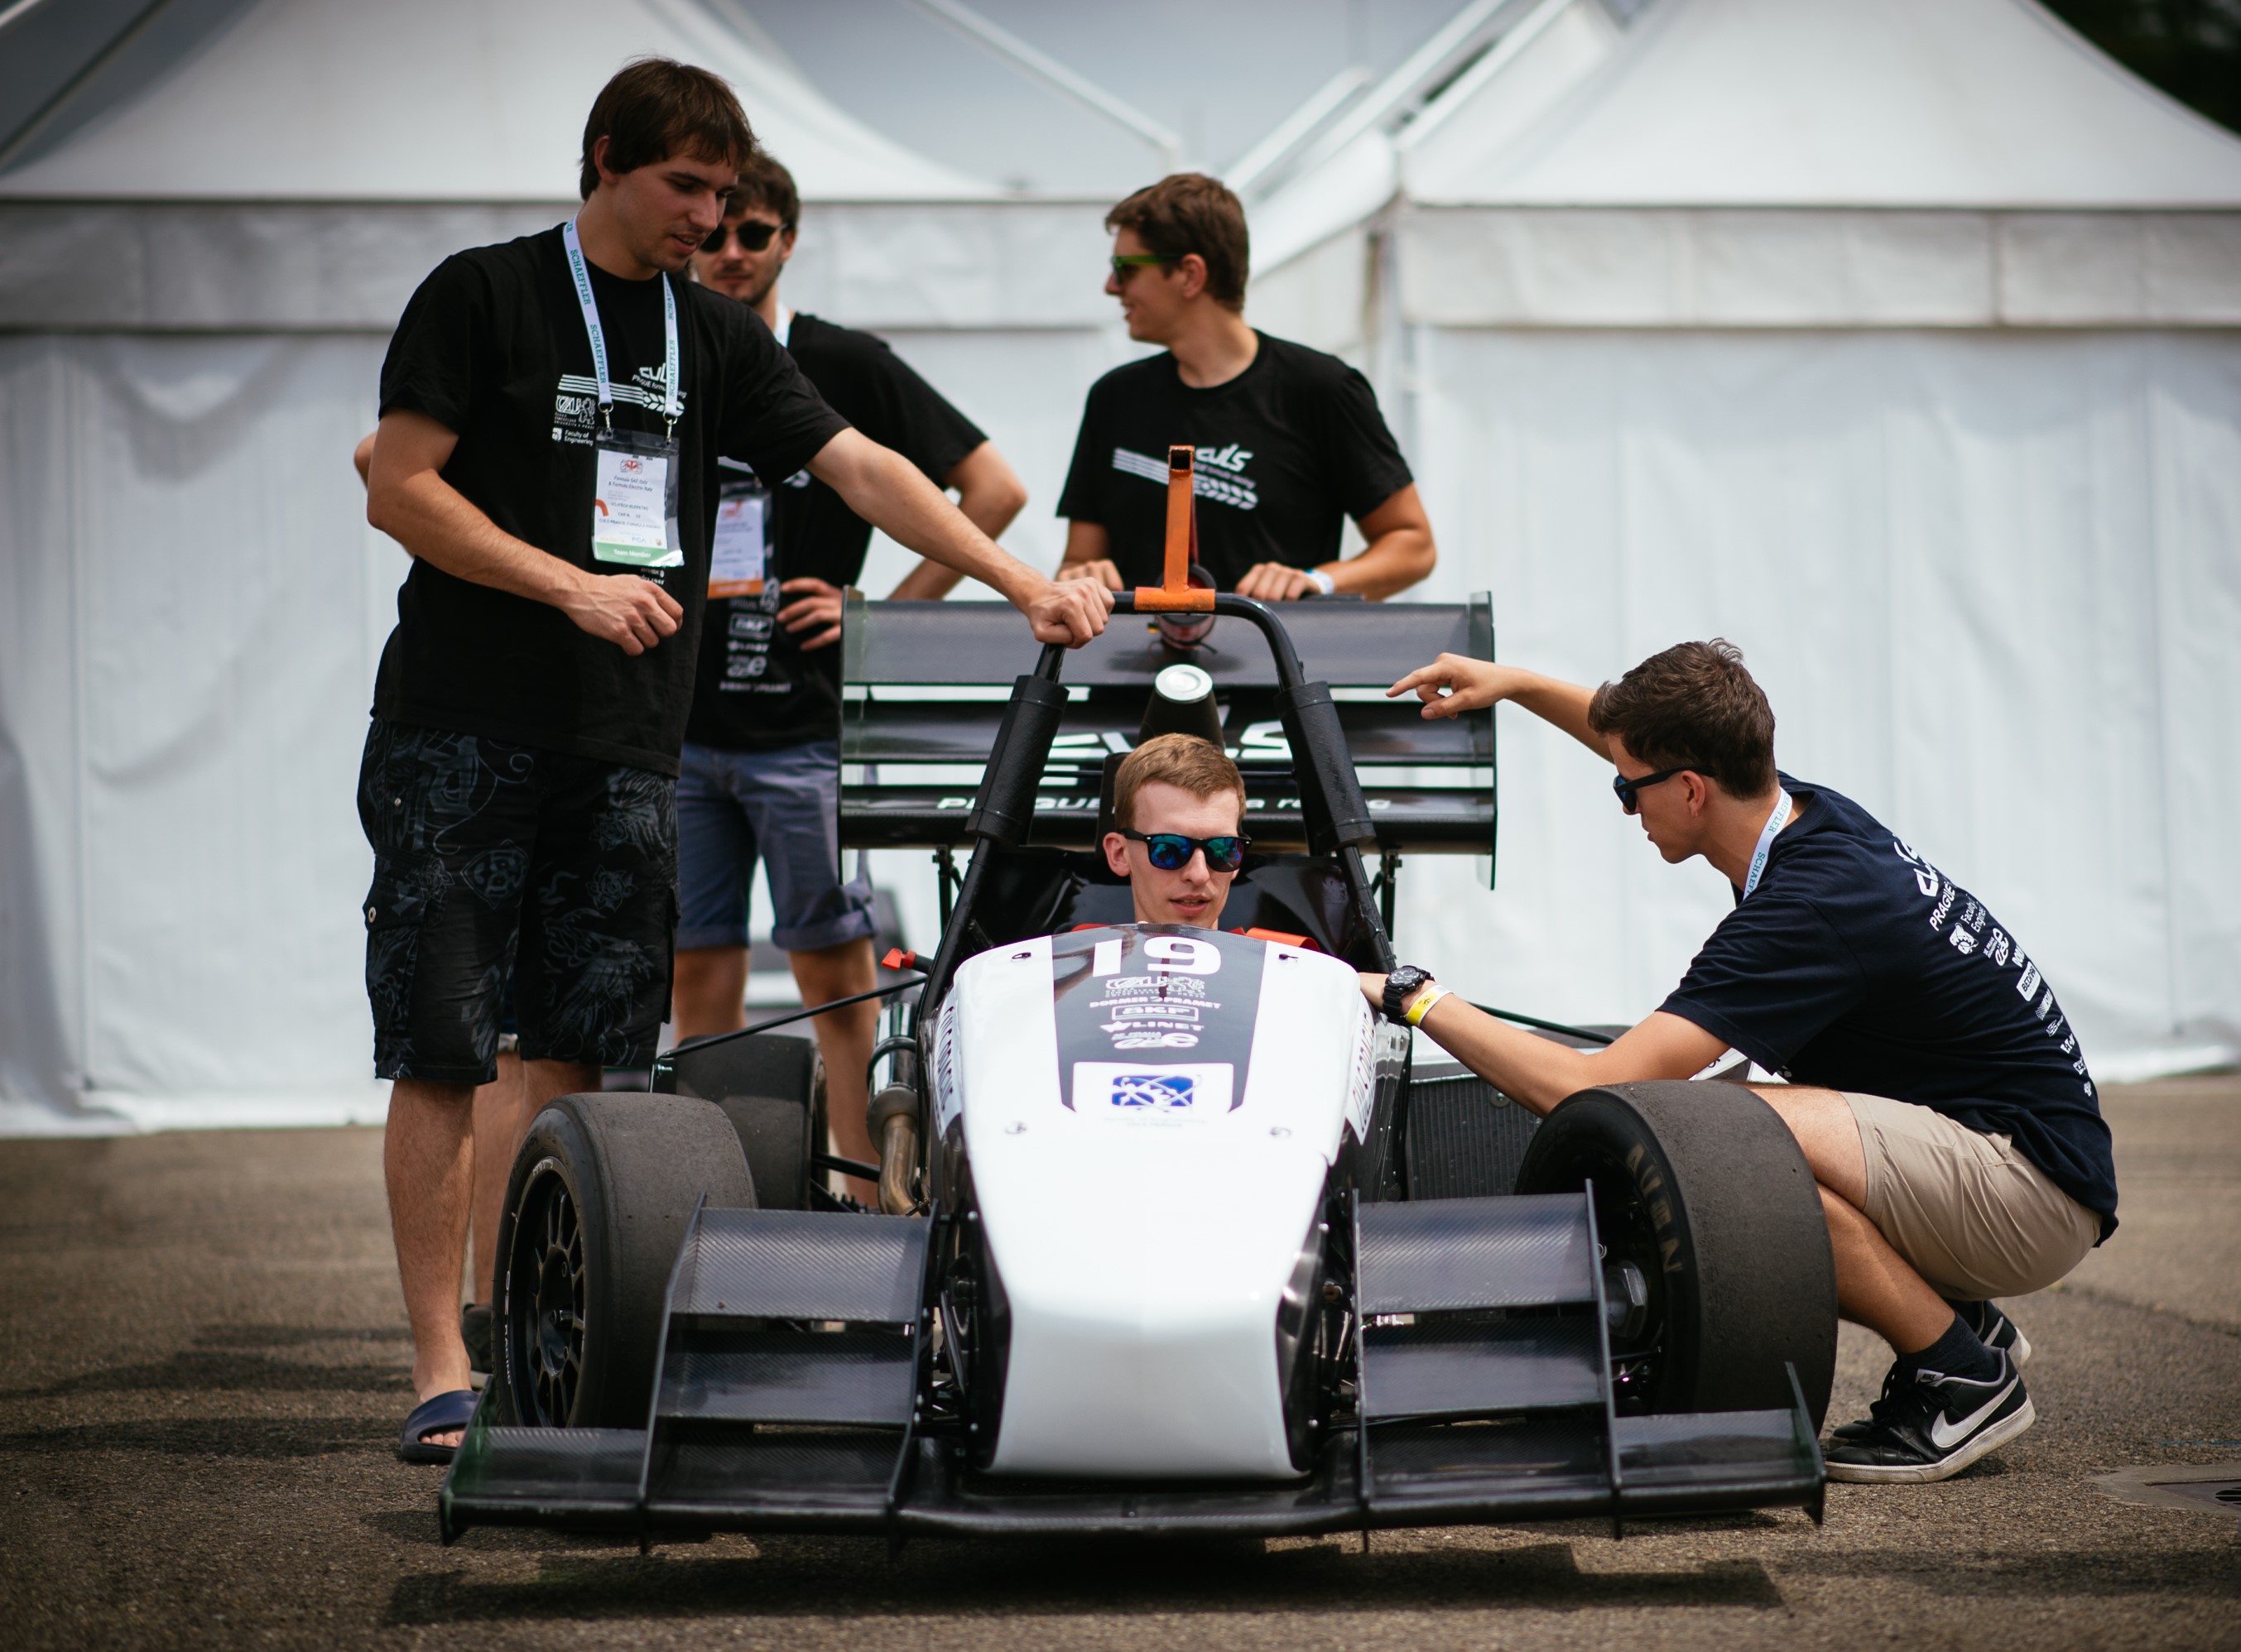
1002 810
1005 806
1330 792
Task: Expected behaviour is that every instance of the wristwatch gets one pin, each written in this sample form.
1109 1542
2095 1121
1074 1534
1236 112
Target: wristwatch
1400 985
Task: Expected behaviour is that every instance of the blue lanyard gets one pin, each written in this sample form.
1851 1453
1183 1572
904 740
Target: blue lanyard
1774 822
583 279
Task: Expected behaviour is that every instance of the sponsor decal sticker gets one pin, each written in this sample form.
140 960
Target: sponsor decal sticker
1132 1095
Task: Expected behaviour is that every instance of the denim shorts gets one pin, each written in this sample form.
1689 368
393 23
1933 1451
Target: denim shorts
498 864
784 807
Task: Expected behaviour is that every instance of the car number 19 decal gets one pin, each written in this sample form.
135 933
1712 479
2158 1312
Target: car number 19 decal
1155 996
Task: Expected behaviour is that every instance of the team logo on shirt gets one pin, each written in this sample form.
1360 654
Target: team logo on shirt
1219 476
1968 937
576 402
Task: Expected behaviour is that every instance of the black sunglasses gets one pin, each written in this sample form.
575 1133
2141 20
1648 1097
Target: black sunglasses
754 235
1171 851
1626 788
1126 264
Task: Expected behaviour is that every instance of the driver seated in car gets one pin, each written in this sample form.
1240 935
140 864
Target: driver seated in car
1180 803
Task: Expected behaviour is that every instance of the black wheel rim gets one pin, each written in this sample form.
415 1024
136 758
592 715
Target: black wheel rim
1623 1223
1639 1358
545 1303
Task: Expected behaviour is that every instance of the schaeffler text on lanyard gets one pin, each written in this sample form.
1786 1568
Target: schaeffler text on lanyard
1774 822
635 493
738 552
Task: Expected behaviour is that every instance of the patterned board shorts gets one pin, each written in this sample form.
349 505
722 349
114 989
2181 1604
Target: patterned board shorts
496 863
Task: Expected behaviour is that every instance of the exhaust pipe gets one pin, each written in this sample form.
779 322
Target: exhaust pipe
894 1120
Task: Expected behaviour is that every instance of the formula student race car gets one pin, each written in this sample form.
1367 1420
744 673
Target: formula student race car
1174 1238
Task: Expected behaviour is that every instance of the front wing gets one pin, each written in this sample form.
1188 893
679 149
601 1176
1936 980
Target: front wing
791 1390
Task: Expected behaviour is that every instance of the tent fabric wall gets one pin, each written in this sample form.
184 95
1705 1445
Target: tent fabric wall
185 654
1990 582
1816 267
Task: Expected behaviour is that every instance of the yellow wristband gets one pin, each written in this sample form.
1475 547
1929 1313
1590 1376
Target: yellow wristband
1421 1007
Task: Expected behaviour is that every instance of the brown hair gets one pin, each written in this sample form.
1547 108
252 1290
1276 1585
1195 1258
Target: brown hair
653 109
765 183
1191 213
1693 706
1198 766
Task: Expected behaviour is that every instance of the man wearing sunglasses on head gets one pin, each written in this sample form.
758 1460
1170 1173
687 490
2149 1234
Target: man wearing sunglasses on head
760 775
1179 802
1930 1075
1290 442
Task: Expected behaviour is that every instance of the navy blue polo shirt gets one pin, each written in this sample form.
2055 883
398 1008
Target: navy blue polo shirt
1856 965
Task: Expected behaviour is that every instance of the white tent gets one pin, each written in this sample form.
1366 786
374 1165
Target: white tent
1894 342
200 264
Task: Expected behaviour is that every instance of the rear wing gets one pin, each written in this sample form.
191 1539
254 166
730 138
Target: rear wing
923 687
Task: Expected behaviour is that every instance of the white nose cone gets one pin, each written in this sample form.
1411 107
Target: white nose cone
1150 1113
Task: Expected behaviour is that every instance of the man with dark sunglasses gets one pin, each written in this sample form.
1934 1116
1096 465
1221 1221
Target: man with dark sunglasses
760 776
1930 1076
1290 441
1179 802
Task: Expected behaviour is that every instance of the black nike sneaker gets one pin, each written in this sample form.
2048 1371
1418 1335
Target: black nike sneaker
1993 1328
1933 1426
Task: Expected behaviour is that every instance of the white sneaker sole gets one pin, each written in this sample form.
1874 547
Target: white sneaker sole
1990 1438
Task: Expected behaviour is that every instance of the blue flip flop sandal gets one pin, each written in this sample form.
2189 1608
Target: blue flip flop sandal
439 1415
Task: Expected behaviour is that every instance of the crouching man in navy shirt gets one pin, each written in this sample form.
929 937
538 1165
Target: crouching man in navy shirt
1934 1082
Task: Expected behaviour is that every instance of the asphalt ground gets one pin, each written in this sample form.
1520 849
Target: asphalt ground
201 1374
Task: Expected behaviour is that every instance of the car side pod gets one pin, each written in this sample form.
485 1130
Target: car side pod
1485 1381
793 1359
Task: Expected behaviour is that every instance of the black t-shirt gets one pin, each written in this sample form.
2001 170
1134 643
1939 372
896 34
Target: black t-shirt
1856 965
1287 450
757 690
493 347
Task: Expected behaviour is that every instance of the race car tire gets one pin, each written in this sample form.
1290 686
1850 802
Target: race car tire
1702 1189
595 1209
772 1088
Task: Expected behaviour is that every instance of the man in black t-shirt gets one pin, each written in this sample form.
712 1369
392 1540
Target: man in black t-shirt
761 768
1290 442
552 412
1933 1082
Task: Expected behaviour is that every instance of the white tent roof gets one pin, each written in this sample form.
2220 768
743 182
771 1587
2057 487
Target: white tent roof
1780 163
442 100
1548 51
1986 104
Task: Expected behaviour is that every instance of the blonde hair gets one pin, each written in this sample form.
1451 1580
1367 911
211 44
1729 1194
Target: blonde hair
1183 760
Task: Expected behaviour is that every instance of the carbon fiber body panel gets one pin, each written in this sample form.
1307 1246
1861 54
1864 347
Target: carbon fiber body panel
804 1265
1427 1255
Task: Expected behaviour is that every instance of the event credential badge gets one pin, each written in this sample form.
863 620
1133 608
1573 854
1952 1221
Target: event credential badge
740 549
634 503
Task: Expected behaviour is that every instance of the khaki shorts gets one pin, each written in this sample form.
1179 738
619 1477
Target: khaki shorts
1968 1212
